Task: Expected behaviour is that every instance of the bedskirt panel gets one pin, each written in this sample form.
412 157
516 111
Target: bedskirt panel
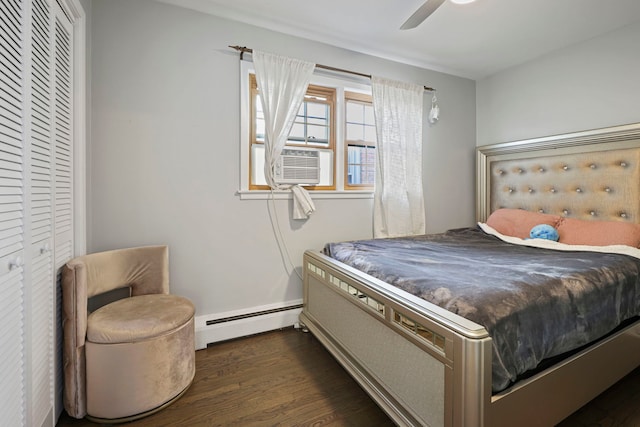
413 377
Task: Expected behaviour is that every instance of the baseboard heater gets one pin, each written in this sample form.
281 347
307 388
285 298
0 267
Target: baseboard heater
254 314
211 328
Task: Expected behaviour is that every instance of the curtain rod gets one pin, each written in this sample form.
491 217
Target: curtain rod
244 50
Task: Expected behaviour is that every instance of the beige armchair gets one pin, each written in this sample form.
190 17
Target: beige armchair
132 357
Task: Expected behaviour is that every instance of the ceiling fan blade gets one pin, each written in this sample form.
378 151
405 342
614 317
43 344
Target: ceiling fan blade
421 14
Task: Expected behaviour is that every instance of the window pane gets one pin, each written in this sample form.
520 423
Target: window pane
369 159
370 134
297 132
351 174
259 115
355 132
368 115
355 112
317 133
260 130
360 165
368 176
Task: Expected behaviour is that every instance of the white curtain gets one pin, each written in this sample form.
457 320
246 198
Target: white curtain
398 197
282 83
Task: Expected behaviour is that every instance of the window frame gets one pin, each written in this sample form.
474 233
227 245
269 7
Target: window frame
312 91
320 77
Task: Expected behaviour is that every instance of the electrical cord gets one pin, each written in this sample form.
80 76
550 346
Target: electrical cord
277 231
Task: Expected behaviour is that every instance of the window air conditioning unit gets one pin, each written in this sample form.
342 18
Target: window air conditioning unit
298 166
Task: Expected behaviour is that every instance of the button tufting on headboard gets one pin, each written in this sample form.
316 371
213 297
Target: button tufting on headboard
585 175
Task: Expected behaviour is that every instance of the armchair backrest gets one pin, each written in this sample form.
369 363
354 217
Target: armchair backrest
144 269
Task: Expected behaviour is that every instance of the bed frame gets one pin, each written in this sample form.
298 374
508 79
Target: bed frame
426 366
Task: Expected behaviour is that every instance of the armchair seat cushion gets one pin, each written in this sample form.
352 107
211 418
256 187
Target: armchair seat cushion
138 318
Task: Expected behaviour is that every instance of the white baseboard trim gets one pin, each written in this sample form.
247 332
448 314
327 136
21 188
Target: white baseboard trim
217 327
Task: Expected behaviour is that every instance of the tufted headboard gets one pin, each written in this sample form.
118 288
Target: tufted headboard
585 175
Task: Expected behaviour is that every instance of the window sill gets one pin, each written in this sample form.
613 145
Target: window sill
282 195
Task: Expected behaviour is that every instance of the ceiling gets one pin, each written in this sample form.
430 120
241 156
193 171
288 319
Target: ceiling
473 40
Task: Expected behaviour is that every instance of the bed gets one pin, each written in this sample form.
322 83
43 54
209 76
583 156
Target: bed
426 364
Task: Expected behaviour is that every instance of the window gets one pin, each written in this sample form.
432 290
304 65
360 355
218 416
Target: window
360 141
335 118
314 127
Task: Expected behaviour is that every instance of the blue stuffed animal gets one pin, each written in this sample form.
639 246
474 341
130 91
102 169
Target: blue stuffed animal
544 231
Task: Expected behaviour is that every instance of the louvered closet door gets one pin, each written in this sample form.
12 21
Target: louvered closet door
12 40
63 139
41 214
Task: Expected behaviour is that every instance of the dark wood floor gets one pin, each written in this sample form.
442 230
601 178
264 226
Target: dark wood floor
286 378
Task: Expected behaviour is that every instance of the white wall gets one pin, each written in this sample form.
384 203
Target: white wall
164 152
590 85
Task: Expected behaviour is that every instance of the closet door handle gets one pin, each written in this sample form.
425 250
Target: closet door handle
16 263
45 248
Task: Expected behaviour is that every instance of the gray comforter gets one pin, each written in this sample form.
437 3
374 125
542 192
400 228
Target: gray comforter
535 303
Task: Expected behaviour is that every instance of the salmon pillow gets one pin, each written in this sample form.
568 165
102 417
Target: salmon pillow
598 233
518 222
